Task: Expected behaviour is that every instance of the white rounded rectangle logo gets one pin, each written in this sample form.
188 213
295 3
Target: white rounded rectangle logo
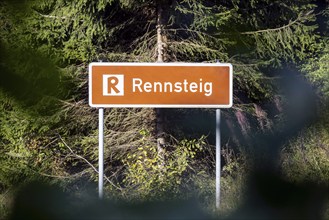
113 84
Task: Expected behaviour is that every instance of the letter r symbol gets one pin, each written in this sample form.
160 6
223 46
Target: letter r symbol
113 85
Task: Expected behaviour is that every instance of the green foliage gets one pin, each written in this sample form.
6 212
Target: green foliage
287 42
250 80
233 181
306 158
288 35
196 40
317 70
147 178
79 30
5 203
26 145
196 31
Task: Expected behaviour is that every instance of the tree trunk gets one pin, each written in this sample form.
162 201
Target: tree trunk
161 44
161 55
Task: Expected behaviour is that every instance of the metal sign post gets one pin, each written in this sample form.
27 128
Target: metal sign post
218 162
100 152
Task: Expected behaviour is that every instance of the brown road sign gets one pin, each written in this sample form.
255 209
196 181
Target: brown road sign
161 85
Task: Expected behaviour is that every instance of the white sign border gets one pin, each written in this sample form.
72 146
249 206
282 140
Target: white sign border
160 105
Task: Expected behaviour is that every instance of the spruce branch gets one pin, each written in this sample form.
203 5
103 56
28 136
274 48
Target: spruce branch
300 18
90 164
52 16
63 177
